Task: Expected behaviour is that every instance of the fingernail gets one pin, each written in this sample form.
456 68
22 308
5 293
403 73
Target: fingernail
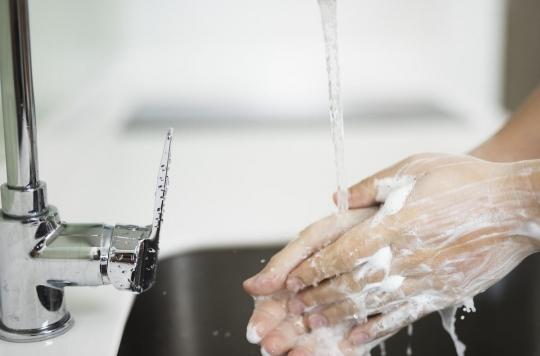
296 306
294 284
252 335
358 337
317 321
264 352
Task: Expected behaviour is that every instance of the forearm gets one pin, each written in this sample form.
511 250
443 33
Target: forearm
519 139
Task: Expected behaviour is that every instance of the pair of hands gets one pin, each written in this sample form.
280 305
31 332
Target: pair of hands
427 233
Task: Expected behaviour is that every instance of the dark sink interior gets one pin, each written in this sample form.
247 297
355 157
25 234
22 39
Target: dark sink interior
198 308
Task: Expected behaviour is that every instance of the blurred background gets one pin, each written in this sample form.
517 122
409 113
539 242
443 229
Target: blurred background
262 60
244 84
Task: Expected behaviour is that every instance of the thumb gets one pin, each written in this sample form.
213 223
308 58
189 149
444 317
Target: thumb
370 191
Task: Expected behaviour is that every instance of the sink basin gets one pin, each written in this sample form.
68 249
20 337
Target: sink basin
198 308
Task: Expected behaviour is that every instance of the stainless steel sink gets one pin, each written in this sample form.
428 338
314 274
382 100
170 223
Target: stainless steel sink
198 308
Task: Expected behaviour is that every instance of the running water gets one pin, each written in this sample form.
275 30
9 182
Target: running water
449 324
329 24
408 352
382 348
328 10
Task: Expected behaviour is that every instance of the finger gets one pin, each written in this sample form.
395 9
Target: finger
310 240
300 352
362 244
267 314
332 314
284 337
323 342
364 193
364 349
334 290
385 324
373 189
376 299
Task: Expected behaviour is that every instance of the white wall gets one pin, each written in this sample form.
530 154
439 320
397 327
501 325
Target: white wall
266 56
72 42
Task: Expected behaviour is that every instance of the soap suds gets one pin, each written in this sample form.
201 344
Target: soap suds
529 229
393 193
385 186
379 261
468 305
391 283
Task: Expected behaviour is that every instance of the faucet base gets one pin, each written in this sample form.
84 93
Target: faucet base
33 335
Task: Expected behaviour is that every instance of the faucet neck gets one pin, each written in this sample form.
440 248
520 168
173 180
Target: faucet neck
24 194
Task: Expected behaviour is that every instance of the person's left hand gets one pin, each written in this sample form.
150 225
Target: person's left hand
270 324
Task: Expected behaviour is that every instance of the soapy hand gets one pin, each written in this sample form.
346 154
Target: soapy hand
448 227
268 286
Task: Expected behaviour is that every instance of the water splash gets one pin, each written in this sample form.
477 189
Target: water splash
329 24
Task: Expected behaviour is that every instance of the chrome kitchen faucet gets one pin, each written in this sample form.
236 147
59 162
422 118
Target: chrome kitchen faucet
39 253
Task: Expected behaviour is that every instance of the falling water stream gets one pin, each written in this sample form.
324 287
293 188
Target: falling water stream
329 25
328 10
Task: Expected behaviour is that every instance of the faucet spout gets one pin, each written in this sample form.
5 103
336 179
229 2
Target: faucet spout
23 194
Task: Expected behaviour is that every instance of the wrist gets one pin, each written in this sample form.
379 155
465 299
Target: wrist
524 178
528 179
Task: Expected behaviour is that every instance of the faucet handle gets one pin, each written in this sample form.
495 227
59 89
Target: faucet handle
161 187
133 251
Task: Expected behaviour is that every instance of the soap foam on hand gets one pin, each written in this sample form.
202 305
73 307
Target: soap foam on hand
392 192
444 219
379 261
449 212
